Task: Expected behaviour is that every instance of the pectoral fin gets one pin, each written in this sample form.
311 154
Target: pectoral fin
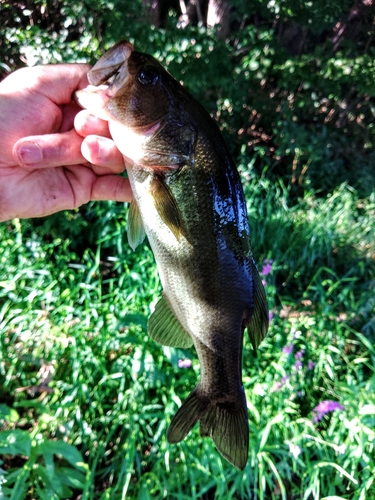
164 327
257 325
135 229
166 206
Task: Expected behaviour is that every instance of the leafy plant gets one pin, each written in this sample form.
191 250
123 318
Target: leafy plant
49 470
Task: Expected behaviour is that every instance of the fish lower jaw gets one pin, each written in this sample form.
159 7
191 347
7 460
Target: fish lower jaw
94 99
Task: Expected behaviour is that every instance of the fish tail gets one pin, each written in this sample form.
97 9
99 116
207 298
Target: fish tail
225 421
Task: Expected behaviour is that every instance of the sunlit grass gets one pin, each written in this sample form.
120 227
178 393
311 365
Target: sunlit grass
86 396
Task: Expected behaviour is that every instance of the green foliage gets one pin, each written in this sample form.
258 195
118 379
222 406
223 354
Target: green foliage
78 367
86 396
317 238
40 473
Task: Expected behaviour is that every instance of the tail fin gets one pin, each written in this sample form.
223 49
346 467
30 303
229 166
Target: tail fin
225 421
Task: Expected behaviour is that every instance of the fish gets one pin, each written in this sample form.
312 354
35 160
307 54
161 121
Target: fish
189 201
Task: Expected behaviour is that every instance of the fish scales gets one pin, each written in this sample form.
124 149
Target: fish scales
189 201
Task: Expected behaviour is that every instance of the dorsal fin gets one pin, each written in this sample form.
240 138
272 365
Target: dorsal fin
135 229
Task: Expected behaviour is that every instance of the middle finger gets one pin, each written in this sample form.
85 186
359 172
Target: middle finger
103 154
86 124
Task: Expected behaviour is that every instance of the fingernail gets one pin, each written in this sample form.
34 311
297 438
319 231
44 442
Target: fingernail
88 124
92 120
30 153
103 150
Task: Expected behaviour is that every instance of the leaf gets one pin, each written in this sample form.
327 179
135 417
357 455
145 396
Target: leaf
334 497
51 482
67 451
8 414
71 477
368 409
20 487
266 431
339 469
273 467
46 494
15 442
133 319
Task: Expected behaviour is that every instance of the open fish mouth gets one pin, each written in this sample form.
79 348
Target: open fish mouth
112 68
108 78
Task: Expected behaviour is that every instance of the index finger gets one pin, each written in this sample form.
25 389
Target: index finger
57 82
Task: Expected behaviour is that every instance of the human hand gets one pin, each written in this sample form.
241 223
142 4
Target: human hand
45 164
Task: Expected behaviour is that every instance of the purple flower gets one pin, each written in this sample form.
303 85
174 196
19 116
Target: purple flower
270 316
325 407
267 267
298 365
280 385
299 354
288 349
184 363
310 365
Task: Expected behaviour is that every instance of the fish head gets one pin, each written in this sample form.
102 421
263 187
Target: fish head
142 103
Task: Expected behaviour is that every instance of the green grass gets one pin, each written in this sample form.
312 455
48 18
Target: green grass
86 396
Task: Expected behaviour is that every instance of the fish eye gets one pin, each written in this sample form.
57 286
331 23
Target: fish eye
148 76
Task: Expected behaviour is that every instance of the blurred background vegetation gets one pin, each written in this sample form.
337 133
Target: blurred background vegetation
85 395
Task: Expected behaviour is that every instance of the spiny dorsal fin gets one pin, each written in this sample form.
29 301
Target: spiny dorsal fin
135 229
164 327
166 206
257 326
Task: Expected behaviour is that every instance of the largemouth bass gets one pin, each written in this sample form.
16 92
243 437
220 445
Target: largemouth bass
189 201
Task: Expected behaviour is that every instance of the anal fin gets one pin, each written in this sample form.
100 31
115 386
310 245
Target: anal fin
165 328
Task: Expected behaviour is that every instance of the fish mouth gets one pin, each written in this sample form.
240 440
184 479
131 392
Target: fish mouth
108 78
112 69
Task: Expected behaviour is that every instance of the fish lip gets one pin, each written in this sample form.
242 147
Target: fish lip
93 99
113 62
